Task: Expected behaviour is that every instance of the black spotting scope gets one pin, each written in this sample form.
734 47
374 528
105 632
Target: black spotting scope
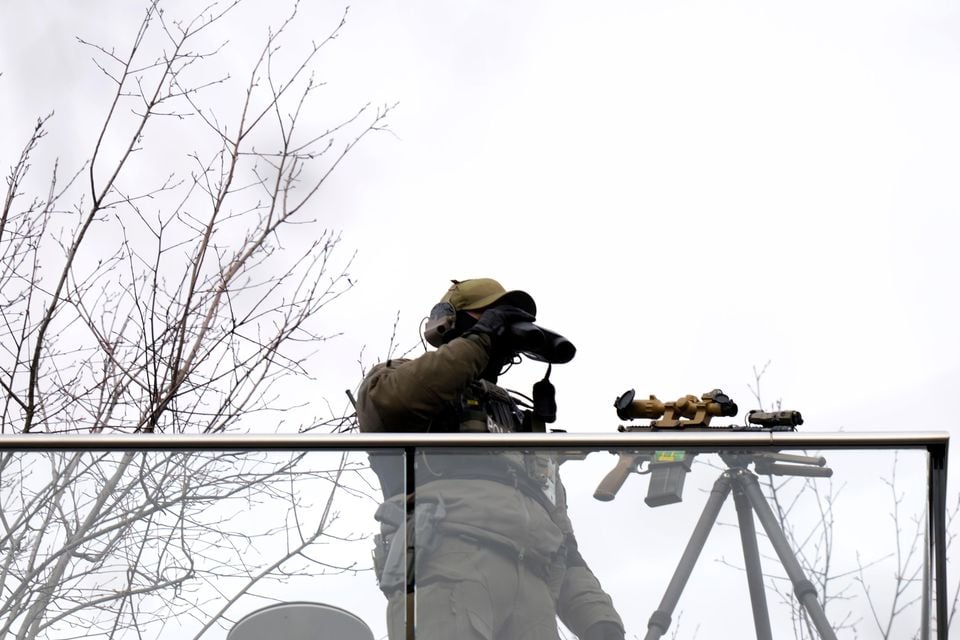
541 344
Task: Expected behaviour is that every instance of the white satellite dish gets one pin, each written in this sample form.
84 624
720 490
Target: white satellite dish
300 621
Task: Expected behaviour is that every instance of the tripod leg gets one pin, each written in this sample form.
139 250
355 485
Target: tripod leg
660 620
804 589
751 559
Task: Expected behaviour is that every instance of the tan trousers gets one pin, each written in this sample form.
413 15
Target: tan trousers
466 591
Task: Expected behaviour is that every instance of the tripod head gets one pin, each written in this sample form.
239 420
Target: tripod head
774 463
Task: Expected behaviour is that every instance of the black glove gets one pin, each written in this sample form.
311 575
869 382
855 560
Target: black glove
495 321
604 630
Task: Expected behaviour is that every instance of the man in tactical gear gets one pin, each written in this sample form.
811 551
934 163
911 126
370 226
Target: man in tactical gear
496 558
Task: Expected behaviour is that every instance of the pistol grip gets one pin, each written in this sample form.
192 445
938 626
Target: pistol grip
611 483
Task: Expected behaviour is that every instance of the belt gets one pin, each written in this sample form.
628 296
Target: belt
539 565
491 468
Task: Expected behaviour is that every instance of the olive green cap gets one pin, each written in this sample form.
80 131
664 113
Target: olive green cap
479 293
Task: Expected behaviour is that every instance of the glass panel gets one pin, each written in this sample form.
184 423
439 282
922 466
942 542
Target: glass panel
188 545
185 544
491 543
849 525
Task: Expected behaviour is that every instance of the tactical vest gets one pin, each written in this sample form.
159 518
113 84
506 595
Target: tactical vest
484 407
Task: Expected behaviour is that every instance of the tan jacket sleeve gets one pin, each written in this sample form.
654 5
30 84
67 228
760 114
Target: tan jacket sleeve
404 395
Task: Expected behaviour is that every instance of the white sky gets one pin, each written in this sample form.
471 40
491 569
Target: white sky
688 189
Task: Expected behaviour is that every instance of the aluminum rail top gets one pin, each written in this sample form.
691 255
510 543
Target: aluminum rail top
366 441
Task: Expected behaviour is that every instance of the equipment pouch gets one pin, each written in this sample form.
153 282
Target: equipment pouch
398 567
380 549
388 544
391 513
485 407
426 521
394 572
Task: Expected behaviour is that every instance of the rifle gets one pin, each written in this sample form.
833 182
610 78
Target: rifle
668 469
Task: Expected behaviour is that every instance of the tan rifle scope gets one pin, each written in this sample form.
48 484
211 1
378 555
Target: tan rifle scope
696 411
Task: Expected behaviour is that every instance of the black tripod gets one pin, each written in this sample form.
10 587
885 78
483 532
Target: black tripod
748 498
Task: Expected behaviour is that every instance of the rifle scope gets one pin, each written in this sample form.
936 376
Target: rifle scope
713 403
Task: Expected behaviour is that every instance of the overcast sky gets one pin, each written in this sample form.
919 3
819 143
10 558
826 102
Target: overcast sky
688 189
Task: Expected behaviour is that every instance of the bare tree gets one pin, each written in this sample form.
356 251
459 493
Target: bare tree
168 284
907 571
813 543
205 296
122 542
874 594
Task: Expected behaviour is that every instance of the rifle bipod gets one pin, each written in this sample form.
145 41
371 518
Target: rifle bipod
748 498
